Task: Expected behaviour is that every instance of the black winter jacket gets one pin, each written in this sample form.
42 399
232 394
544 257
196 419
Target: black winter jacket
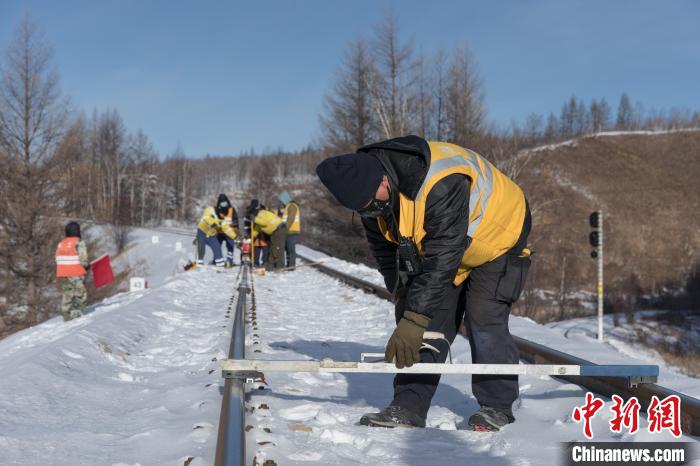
406 161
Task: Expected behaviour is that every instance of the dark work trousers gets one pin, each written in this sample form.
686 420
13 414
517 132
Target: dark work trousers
484 301
230 245
213 243
277 239
290 246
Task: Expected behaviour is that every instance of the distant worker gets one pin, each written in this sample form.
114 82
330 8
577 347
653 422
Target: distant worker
208 229
449 233
271 224
71 270
291 216
230 218
261 242
262 249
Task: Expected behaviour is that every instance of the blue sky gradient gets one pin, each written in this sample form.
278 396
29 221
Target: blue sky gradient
223 77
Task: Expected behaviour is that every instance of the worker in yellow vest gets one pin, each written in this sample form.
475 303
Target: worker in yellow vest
449 233
230 221
213 223
291 216
271 224
71 270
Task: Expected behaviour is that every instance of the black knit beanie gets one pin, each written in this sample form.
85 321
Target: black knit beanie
73 230
352 178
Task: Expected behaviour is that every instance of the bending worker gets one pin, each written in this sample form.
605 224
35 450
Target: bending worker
448 231
210 226
291 216
271 224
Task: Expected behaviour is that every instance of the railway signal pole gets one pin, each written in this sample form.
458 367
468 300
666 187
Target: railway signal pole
596 240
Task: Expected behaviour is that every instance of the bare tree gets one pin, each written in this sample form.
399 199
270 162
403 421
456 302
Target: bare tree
424 101
349 120
625 114
393 82
440 93
465 110
600 115
32 116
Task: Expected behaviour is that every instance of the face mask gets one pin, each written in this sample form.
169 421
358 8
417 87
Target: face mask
376 209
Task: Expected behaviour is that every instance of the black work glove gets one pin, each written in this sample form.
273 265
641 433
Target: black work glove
403 347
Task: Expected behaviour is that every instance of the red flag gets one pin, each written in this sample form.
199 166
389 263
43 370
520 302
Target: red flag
102 271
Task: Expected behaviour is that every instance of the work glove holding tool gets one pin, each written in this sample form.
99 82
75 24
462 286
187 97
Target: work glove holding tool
403 347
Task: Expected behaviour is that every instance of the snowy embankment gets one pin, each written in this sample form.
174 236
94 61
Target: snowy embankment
136 380
132 382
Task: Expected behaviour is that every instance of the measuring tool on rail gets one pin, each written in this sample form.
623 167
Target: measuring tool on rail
250 369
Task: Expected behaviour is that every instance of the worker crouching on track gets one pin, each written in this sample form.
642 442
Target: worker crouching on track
71 270
210 226
267 222
456 227
291 216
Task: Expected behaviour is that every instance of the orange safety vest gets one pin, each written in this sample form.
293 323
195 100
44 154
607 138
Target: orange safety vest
67 260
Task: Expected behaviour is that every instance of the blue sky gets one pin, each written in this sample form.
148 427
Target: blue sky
222 77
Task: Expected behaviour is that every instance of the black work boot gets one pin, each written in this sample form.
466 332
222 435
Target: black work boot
392 416
489 419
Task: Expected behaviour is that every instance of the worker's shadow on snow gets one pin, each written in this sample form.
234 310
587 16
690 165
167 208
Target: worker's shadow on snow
374 389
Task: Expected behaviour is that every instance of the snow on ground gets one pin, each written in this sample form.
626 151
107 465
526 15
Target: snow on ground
581 342
154 254
626 336
312 418
136 381
602 134
132 382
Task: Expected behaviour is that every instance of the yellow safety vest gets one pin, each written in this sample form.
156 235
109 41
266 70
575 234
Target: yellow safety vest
211 224
496 206
295 225
267 221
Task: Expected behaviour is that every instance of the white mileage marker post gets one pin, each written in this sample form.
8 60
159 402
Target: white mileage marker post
178 246
137 284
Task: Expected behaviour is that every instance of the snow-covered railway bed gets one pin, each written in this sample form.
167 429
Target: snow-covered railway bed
134 381
303 418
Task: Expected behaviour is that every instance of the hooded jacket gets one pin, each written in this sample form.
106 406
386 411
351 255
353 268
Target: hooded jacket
406 162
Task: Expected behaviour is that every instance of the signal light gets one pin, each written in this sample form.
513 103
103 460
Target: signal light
593 220
594 239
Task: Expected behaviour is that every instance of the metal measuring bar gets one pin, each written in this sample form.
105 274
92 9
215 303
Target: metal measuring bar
251 368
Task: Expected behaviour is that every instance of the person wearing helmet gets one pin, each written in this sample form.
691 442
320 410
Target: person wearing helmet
210 226
71 269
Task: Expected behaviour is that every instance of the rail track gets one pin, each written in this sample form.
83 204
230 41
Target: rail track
535 353
231 443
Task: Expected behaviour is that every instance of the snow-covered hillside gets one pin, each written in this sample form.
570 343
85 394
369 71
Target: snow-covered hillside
136 380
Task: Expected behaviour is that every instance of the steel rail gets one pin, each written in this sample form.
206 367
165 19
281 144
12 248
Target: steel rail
230 444
536 353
